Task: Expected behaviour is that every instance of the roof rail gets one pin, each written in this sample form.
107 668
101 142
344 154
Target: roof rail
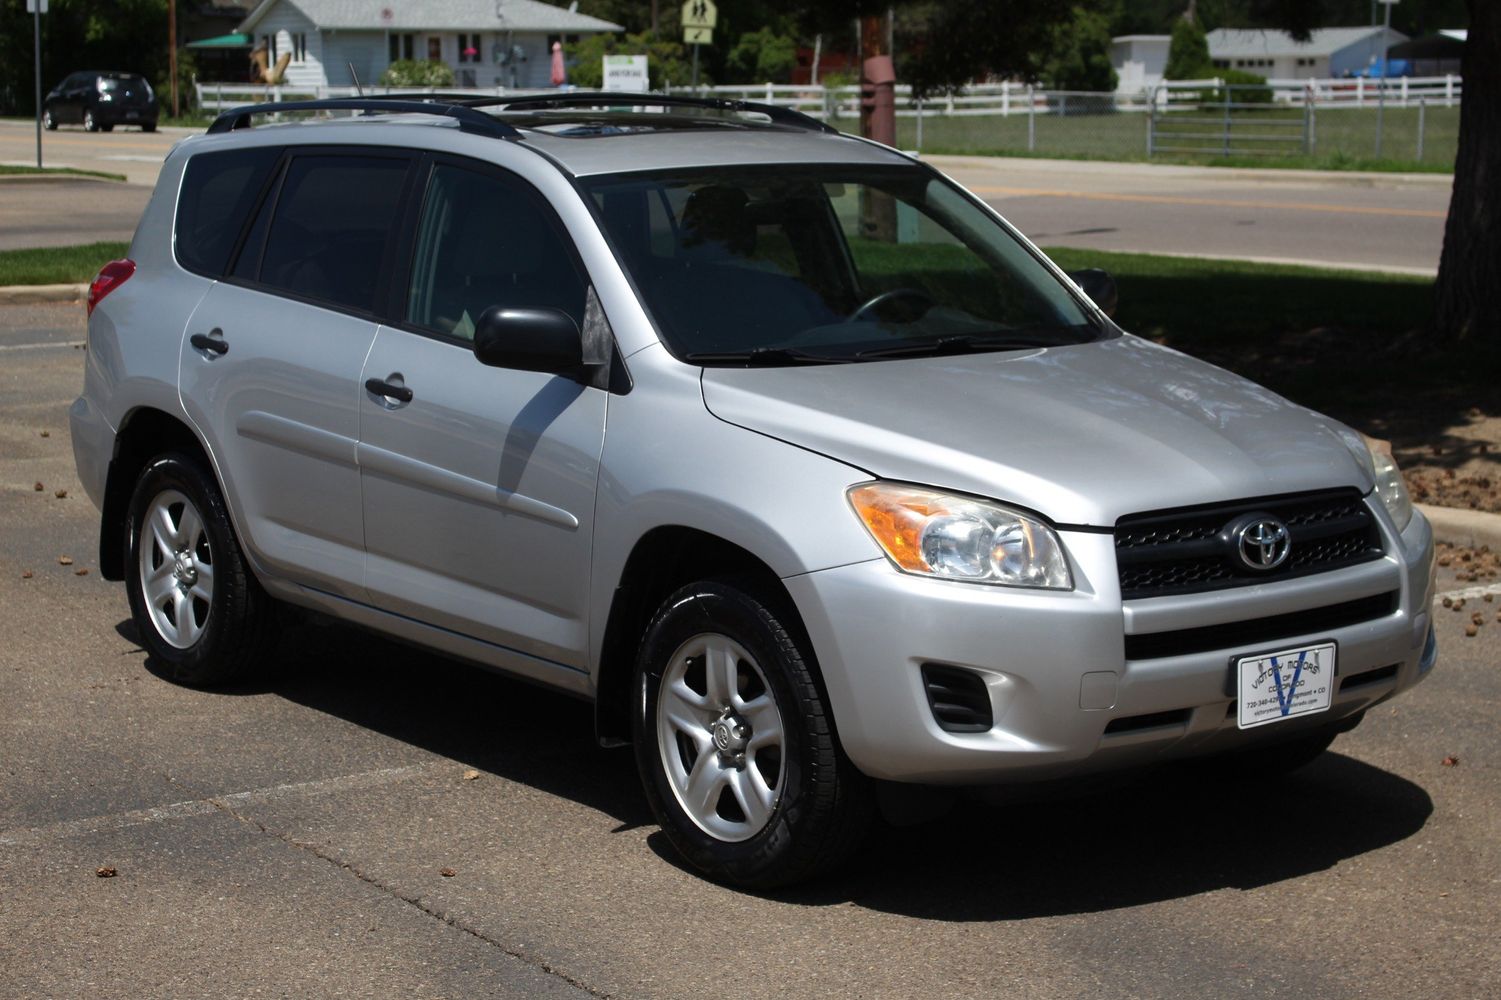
593 98
469 119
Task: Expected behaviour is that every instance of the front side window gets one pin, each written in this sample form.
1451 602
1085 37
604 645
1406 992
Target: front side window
833 264
334 218
485 240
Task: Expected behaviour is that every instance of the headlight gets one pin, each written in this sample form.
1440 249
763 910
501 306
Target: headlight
959 538
1390 487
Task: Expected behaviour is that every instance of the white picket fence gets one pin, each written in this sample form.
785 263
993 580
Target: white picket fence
1017 98
978 99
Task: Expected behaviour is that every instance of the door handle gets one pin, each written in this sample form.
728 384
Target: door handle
380 387
209 342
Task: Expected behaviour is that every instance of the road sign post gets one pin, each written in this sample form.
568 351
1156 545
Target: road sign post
37 8
699 18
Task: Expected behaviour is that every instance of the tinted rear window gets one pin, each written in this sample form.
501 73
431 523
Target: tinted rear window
219 191
334 218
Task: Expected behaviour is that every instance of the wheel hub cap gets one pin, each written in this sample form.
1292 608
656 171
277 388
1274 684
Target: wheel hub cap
731 735
184 569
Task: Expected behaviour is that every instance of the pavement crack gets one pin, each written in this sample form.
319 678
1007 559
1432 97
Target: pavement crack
413 901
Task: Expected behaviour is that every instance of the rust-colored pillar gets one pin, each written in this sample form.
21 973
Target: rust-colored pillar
878 100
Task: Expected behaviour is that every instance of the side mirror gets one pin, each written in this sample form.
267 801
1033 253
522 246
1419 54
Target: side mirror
1099 286
529 340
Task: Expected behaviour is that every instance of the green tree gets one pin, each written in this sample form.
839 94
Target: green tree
125 35
760 57
1188 53
666 62
1080 58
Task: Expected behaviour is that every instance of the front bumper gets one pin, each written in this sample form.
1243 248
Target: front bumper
1065 697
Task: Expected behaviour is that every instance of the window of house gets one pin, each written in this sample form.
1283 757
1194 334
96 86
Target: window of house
270 42
399 47
471 47
435 48
299 48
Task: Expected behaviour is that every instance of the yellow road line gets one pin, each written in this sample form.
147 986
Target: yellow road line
1162 199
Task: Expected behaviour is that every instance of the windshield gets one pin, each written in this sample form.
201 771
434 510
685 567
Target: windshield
809 264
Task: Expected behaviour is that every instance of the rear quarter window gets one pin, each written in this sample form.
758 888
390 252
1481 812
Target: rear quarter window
219 191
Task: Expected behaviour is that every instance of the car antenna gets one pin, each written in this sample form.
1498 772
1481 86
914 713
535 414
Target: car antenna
358 90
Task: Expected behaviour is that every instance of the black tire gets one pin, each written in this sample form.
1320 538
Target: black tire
232 632
90 123
106 128
823 804
149 127
49 121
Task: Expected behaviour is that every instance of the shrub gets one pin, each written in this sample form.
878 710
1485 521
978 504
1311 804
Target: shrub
417 73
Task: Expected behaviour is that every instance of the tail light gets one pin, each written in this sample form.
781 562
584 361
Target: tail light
110 277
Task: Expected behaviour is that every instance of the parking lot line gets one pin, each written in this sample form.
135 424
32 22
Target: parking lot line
1162 199
200 807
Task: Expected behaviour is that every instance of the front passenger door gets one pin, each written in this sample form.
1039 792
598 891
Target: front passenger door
479 482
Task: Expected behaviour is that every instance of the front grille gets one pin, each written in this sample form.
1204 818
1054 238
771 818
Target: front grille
1260 631
959 698
1189 550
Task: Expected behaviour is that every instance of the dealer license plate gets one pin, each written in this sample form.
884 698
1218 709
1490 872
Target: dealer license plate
1284 685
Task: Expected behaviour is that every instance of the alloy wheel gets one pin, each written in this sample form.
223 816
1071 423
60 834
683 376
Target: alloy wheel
176 569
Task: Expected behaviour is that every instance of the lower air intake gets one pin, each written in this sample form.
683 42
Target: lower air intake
959 699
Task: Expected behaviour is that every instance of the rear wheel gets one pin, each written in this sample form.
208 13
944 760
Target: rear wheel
198 609
48 121
149 127
735 743
90 123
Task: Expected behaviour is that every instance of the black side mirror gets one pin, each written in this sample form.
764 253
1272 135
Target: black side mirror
529 340
1099 286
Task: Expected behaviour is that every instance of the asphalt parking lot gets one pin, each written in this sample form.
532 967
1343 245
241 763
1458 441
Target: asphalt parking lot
370 821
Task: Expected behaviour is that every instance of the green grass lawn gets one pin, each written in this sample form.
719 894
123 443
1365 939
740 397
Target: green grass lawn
1344 138
57 265
60 171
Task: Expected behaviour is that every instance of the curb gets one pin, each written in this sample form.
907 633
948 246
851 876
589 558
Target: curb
56 178
1472 528
15 295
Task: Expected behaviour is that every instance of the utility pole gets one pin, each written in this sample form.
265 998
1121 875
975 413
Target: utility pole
1386 27
172 51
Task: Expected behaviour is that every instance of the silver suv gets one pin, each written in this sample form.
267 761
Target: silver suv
783 449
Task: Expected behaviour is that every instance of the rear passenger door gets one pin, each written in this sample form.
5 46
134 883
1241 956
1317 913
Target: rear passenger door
270 368
479 482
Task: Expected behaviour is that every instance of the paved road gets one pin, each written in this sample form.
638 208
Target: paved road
285 838
1384 223
1370 222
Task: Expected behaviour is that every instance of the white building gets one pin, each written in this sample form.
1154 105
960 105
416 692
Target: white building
488 43
1139 60
1275 55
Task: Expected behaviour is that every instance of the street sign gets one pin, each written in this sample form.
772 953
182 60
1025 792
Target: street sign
31 6
698 36
627 74
699 14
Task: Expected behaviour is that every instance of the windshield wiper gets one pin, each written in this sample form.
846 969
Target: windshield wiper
765 356
959 345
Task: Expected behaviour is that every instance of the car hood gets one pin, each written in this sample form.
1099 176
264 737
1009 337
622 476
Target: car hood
1081 434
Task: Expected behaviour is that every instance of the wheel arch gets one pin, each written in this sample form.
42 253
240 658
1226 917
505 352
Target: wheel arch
144 433
662 560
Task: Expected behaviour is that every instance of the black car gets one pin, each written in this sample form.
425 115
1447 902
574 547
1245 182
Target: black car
100 101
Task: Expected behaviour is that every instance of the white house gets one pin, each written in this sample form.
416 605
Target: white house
1275 54
488 43
1139 60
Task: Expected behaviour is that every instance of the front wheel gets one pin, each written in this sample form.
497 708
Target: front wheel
736 746
48 121
198 609
90 123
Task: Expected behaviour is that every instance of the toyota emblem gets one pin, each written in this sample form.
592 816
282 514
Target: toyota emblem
1262 542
